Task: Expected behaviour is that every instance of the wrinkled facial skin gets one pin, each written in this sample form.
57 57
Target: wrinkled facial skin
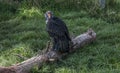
48 15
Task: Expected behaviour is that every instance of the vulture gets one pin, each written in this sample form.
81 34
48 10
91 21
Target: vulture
58 32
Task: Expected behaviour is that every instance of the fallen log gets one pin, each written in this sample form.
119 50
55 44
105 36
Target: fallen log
27 65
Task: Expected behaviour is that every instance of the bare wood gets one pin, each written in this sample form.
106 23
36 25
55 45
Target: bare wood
25 66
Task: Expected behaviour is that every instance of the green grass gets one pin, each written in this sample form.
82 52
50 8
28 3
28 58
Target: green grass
26 36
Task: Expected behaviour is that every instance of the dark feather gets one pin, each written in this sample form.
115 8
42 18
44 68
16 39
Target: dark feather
57 27
58 31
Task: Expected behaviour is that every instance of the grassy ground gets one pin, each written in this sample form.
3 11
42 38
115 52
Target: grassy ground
26 36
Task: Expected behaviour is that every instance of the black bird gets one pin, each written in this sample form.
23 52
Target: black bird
58 31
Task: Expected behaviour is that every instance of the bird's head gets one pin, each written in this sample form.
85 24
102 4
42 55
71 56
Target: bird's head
48 15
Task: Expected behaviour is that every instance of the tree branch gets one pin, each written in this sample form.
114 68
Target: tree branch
25 66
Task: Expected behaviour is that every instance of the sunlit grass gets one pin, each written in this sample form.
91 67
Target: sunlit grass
32 12
27 36
14 54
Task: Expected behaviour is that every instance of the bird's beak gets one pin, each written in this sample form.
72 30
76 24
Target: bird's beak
49 15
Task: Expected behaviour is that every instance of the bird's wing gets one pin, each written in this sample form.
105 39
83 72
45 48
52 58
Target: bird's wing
63 27
58 27
54 29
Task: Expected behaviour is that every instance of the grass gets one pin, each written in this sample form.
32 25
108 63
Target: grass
26 36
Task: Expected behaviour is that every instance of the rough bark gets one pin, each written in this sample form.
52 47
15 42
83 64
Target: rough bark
25 66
